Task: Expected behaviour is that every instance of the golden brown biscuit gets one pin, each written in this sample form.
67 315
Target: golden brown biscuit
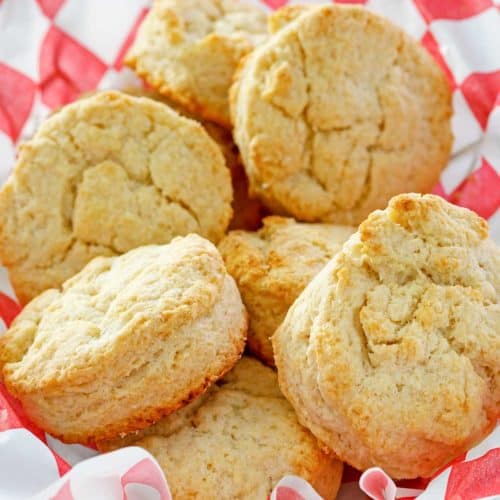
271 268
390 355
338 111
126 341
247 211
236 441
102 176
189 50
283 16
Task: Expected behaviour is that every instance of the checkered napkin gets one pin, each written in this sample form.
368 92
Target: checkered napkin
51 51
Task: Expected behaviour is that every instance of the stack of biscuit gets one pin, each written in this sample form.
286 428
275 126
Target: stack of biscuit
370 316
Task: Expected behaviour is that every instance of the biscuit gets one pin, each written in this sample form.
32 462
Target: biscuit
126 341
102 176
337 112
247 211
271 268
390 355
189 50
238 441
283 16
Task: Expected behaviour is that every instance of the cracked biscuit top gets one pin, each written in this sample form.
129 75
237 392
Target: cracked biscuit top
236 442
273 265
391 355
338 111
189 50
125 341
247 211
102 176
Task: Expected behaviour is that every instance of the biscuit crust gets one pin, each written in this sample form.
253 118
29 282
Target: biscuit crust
102 176
126 341
397 340
236 441
273 265
247 211
189 51
337 112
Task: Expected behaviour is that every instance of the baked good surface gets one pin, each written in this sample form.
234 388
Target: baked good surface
236 441
126 341
247 211
102 176
390 355
283 16
189 50
273 265
337 112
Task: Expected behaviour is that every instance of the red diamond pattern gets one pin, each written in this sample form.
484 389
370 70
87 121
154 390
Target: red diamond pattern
66 69
17 93
50 7
439 9
480 191
430 43
481 90
9 309
476 478
275 4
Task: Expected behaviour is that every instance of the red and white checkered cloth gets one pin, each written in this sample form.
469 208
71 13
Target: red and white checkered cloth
53 50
